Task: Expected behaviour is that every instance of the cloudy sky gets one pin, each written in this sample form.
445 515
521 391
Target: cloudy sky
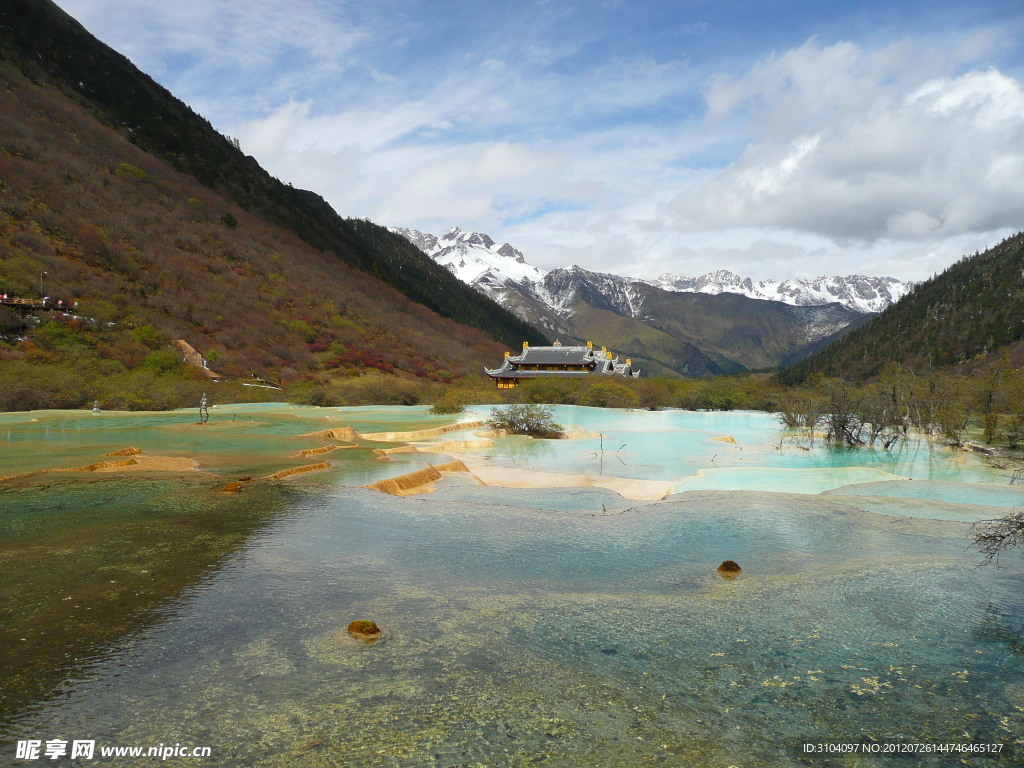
775 138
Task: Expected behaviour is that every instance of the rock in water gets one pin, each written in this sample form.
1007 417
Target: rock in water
364 631
729 570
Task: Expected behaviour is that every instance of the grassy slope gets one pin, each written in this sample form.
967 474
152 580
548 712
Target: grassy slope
655 351
51 46
144 246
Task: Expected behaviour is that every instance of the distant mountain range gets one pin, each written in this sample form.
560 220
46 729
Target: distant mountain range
478 260
863 294
693 326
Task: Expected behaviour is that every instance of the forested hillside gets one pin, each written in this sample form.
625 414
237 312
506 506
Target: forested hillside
973 309
53 48
151 256
99 206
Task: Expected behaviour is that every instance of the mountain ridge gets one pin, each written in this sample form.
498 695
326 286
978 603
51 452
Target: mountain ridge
960 318
640 318
476 259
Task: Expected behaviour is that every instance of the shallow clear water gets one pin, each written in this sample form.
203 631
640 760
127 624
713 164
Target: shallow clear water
516 635
249 439
680 446
569 627
676 446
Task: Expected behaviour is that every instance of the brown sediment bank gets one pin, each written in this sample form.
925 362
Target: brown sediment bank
298 470
726 439
385 452
347 434
452 466
129 451
454 445
406 485
151 463
419 434
420 481
446 446
516 477
103 465
134 464
318 451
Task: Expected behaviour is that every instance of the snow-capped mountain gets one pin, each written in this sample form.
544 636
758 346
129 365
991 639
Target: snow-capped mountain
477 260
864 294
716 323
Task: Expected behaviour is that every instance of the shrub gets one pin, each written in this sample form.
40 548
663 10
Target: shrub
309 392
164 361
525 419
609 394
452 401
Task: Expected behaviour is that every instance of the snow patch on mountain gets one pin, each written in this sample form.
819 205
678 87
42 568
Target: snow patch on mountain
859 292
500 271
475 258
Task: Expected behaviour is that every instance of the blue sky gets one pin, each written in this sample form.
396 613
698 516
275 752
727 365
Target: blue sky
773 138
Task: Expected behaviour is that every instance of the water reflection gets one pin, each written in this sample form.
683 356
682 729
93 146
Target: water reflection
518 633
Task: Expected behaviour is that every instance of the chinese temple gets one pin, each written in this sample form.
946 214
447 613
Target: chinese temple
559 361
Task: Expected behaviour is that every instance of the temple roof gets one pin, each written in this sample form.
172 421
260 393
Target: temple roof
554 356
596 360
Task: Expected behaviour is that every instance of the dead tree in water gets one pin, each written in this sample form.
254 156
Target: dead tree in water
994 537
842 420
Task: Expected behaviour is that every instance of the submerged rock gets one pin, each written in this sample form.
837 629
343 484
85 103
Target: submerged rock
729 570
129 451
364 631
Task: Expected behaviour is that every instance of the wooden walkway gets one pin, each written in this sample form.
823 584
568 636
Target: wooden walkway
35 305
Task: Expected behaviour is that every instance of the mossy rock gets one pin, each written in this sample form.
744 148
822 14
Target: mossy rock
364 631
729 570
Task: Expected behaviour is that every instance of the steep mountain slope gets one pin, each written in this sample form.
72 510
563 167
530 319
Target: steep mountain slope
151 255
51 46
973 309
730 332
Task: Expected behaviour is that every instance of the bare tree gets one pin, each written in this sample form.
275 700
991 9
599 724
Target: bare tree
842 418
994 537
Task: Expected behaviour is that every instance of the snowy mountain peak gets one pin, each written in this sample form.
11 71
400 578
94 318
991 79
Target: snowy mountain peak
512 253
456 235
495 270
425 241
476 259
858 292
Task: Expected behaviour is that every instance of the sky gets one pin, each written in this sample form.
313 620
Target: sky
773 138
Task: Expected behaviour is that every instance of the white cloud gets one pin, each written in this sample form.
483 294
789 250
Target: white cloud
846 146
821 158
850 157
248 54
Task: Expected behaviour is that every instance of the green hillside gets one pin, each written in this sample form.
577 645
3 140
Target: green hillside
657 353
971 311
150 255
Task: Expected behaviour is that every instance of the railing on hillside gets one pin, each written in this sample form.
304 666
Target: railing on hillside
44 305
